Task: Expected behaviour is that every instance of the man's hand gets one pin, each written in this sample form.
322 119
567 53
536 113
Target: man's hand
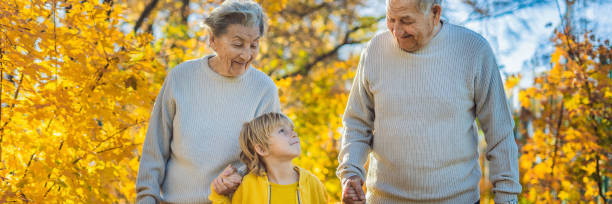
227 182
352 192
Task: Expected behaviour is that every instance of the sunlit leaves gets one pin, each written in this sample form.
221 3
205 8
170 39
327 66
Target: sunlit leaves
77 87
75 96
567 156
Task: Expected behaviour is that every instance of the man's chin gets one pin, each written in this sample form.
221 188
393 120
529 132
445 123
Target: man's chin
409 48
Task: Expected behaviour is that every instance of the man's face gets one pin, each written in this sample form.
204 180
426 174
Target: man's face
411 28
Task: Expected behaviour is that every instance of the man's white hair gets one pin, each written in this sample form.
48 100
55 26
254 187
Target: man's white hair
424 5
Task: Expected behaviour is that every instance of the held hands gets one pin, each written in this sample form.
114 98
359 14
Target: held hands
227 182
352 192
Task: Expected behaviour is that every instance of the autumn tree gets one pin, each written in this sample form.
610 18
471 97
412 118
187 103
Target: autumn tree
568 114
79 79
75 94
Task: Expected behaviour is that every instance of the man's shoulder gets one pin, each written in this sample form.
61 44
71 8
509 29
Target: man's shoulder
381 39
466 36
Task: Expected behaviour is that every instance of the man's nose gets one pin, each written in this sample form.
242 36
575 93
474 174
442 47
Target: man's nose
396 30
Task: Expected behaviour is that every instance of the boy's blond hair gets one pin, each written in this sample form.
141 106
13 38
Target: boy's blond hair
256 133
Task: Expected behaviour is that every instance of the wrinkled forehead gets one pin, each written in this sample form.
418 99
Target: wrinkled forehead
402 7
241 32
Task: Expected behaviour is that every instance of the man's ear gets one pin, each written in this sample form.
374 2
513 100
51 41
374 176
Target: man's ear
436 10
261 150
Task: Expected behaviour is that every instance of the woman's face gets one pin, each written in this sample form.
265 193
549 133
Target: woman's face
236 49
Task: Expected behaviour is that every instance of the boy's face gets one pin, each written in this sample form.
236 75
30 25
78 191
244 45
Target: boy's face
284 143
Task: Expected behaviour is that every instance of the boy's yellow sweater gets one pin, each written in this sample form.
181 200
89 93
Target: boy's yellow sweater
255 189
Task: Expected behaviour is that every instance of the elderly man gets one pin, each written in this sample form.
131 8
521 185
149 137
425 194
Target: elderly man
418 89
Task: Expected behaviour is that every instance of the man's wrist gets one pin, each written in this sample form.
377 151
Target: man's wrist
503 198
349 175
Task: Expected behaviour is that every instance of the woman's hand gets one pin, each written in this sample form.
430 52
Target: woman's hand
228 181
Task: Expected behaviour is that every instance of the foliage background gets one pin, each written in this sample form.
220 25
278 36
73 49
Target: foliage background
79 79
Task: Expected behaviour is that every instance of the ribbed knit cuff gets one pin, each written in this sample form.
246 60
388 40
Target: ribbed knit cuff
348 175
504 197
147 200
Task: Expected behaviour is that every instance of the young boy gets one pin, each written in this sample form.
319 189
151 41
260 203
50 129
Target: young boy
268 145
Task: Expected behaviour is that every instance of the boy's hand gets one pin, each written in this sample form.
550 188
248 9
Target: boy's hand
227 182
352 192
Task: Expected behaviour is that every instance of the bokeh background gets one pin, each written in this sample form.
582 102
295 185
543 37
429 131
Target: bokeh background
79 78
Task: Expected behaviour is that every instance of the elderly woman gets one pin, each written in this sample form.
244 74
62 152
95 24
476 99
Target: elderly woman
197 116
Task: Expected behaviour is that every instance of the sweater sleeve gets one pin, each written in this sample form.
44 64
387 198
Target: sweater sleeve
358 122
156 147
270 102
496 121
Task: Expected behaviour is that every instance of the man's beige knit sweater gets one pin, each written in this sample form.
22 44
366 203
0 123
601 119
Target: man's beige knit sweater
415 113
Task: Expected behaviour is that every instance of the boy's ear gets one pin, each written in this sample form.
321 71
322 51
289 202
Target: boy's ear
261 151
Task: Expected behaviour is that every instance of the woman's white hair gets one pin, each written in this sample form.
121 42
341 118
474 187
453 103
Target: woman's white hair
425 5
243 12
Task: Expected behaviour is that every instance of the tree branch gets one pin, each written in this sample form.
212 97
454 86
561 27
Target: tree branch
557 138
346 41
106 139
148 9
117 147
1 85
185 11
110 2
116 133
484 13
25 173
15 95
599 182
303 10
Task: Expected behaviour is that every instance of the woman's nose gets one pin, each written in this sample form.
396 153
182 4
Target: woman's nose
245 54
